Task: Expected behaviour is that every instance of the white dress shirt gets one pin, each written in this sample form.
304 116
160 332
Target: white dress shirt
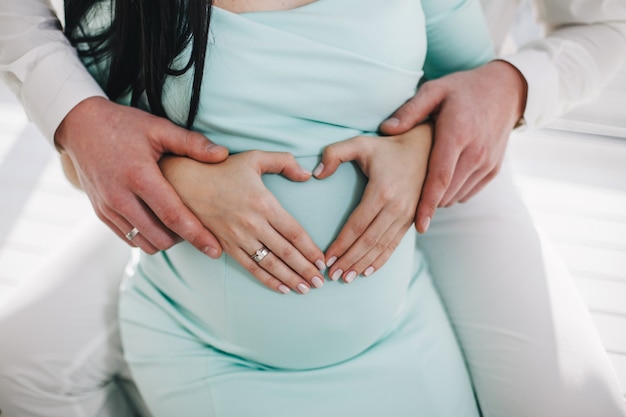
583 48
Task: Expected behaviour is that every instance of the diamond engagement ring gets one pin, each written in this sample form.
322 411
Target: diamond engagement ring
260 254
131 235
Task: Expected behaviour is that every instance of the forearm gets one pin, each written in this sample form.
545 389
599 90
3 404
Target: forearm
583 49
39 64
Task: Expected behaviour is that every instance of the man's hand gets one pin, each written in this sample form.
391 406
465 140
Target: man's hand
114 150
474 113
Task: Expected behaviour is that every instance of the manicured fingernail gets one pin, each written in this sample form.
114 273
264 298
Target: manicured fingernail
317 282
318 170
336 275
369 271
284 289
211 251
331 261
306 171
425 224
350 277
321 266
392 122
303 288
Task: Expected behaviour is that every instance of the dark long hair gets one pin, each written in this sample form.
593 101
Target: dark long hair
141 44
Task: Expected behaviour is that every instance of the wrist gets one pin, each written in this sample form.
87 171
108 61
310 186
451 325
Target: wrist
515 85
76 117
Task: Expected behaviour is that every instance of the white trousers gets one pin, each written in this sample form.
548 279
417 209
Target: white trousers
526 334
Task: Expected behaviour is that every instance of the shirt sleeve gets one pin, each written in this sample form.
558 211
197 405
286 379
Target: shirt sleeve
39 64
583 48
457 35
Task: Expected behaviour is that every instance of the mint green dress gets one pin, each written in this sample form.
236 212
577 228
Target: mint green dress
202 336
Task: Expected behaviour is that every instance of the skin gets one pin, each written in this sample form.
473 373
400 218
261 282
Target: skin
395 166
473 121
127 188
113 151
212 190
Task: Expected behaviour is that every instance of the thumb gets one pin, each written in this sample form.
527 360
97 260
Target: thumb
183 142
282 163
338 153
415 110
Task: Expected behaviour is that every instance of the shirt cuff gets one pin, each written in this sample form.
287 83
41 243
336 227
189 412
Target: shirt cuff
54 87
542 102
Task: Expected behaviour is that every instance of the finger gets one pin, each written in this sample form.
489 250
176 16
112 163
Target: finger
296 241
162 199
358 222
334 155
282 163
387 240
479 186
154 235
174 139
441 168
466 168
259 273
384 256
292 259
121 227
275 267
425 102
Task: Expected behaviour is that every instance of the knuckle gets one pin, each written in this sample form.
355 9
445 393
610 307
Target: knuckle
286 252
270 262
331 153
385 194
255 269
443 178
254 155
169 216
293 234
164 243
370 241
358 228
135 178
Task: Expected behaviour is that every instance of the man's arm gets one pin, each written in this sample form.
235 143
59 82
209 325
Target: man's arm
39 65
583 49
114 148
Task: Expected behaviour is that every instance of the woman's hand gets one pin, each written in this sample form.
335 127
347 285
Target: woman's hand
231 200
396 168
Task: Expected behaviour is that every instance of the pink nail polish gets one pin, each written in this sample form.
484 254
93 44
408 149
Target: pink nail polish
336 275
320 265
350 277
425 224
303 288
318 170
369 271
284 289
317 282
331 261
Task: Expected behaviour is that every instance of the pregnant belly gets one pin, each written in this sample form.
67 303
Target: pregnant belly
232 311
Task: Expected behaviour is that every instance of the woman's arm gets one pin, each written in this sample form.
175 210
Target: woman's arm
231 200
458 39
396 168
